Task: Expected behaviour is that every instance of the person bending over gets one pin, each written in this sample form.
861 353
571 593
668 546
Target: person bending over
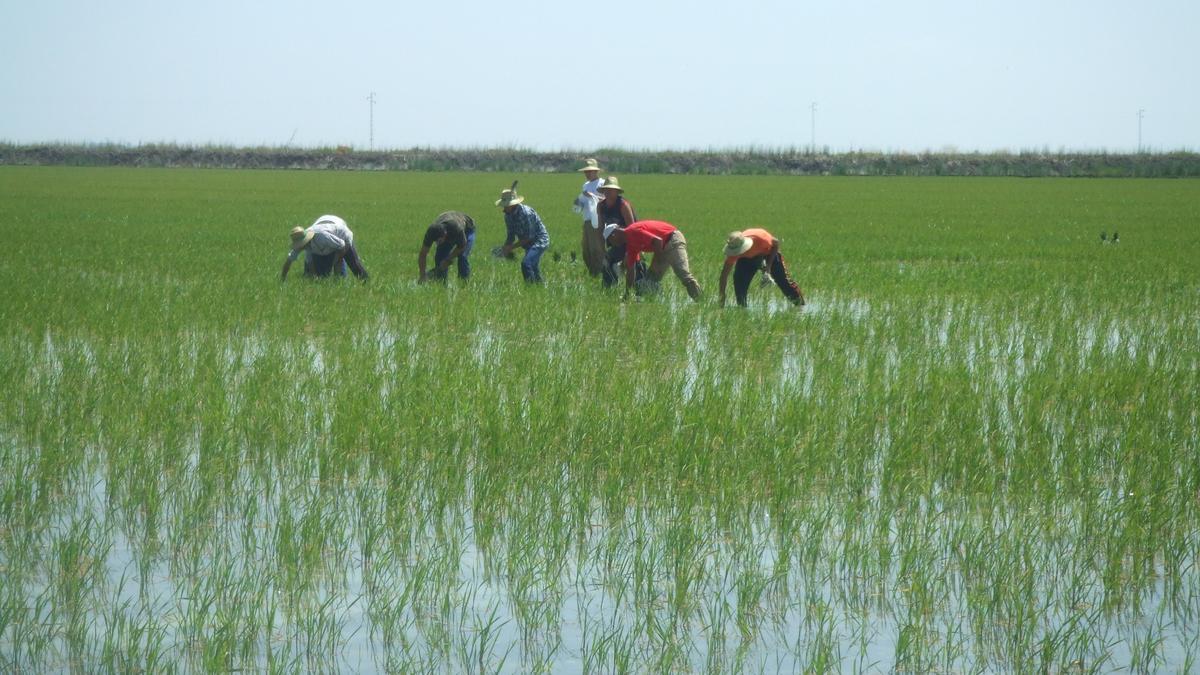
746 253
453 232
662 239
525 229
328 246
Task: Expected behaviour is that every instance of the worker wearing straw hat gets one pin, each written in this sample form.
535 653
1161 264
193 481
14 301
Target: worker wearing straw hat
454 234
615 209
525 229
662 239
747 252
328 246
585 204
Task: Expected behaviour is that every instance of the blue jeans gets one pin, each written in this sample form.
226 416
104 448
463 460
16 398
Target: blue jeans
529 264
464 261
322 265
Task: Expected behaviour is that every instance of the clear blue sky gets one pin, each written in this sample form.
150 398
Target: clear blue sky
892 76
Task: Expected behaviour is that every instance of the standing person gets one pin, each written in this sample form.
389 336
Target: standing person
454 234
615 208
525 229
662 239
589 196
747 252
327 244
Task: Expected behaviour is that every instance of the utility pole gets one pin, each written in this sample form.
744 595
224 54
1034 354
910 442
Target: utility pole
371 98
812 144
1141 114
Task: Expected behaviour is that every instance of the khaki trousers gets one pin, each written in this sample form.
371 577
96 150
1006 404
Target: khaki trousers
593 249
675 256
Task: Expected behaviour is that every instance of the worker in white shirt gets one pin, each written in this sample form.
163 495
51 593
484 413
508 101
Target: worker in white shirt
589 195
328 245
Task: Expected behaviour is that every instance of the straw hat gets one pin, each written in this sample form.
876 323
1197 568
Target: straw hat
737 244
611 183
592 165
509 197
301 237
609 229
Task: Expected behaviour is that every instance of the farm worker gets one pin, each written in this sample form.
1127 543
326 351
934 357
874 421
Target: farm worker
327 244
665 241
454 234
525 229
747 252
585 203
615 208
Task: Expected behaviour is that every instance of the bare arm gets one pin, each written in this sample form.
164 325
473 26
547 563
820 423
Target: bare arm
421 264
773 253
287 264
627 213
724 281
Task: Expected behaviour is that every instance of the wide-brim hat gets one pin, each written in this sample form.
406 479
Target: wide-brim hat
591 165
737 244
609 229
611 183
301 237
509 198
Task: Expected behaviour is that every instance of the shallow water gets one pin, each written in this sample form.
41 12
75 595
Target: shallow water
510 605
202 506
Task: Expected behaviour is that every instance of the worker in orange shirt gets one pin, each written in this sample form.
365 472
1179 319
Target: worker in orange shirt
746 253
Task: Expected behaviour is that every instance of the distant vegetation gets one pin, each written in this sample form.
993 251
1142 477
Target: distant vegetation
750 161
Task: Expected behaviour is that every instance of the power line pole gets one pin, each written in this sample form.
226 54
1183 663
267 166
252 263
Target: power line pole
1141 114
812 144
371 98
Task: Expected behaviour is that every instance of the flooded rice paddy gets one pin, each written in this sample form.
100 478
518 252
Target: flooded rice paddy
182 504
976 450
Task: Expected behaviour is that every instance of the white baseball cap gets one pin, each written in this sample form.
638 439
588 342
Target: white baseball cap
609 229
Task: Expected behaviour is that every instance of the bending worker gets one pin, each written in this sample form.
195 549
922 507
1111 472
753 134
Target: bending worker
327 244
747 252
662 239
454 234
525 229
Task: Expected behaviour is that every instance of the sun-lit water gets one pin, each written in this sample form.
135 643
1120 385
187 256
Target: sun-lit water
572 587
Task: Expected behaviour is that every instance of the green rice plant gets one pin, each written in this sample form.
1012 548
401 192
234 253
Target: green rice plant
975 449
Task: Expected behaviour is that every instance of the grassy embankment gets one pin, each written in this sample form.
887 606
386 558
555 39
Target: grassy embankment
744 161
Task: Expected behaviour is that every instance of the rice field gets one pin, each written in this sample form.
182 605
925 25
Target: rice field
977 449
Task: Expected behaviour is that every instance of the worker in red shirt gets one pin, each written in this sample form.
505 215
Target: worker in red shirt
667 244
747 252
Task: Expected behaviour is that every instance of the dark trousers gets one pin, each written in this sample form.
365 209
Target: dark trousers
464 262
611 274
745 269
322 265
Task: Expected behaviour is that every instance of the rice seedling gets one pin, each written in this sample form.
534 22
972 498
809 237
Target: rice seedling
976 449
